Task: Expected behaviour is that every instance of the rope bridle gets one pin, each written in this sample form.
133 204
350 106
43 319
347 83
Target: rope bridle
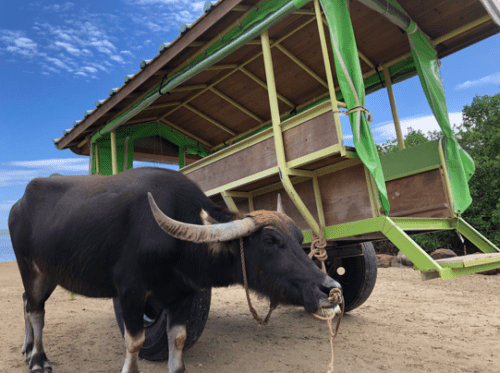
272 306
318 251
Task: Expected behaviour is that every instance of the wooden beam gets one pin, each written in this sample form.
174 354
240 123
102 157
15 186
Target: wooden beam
235 104
366 59
213 121
189 88
360 53
264 85
287 53
222 67
244 8
394 109
143 120
186 133
160 106
257 55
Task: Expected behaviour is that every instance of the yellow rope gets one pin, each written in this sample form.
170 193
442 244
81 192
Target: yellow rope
354 109
335 297
272 306
318 251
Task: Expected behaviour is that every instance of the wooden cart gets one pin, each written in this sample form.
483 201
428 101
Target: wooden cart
246 102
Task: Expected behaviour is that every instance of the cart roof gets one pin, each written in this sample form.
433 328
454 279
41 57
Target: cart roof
228 100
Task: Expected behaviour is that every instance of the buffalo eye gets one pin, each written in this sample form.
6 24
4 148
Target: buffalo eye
272 242
269 241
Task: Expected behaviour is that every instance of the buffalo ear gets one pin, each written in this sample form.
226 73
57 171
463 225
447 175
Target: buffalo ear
207 219
214 248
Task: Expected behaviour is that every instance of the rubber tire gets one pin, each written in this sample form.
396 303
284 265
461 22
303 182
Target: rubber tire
359 278
156 344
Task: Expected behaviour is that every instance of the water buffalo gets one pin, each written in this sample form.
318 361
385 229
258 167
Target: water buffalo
149 233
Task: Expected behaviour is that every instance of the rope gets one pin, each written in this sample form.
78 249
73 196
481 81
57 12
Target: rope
335 297
354 109
254 313
318 251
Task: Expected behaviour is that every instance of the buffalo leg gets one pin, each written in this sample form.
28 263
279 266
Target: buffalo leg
28 337
132 302
176 329
38 289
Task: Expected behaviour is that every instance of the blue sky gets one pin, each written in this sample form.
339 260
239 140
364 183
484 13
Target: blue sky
58 58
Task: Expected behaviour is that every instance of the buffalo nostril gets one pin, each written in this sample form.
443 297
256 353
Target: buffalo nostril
330 283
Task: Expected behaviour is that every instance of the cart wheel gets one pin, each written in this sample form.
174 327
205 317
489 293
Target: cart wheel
155 324
359 278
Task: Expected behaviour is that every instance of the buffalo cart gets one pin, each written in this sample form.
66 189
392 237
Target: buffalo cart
248 100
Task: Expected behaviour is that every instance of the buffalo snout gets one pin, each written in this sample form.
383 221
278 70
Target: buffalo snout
327 286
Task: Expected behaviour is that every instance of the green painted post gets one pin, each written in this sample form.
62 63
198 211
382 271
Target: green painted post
182 156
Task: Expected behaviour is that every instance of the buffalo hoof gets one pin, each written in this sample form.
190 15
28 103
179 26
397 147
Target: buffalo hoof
44 370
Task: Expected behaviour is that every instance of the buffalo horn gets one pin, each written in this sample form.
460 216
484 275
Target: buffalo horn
280 205
202 233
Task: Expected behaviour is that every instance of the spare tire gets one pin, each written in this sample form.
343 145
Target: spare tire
155 325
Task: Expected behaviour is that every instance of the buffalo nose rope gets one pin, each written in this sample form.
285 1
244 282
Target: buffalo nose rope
328 316
317 250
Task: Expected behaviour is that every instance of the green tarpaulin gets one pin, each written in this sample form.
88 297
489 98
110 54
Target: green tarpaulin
459 164
352 86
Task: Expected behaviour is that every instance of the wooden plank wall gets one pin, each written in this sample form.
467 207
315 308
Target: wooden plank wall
344 196
421 195
313 135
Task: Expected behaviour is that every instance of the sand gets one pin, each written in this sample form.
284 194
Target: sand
405 326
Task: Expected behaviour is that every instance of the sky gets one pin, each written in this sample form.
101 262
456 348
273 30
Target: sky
57 58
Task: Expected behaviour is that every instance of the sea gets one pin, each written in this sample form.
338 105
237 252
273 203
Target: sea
6 251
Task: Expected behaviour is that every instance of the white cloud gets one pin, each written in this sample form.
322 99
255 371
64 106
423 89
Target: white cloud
117 58
53 165
22 172
198 6
103 46
487 80
57 62
128 53
69 48
16 177
15 42
59 7
74 37
89 69
425 124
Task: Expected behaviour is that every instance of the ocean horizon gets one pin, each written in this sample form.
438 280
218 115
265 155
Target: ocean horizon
6 250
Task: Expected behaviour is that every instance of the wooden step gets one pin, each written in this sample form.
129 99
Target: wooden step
471 260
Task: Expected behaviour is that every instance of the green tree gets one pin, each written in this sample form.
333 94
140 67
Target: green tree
412 138
480 137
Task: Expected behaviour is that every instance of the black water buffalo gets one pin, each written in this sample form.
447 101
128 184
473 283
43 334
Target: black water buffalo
98 236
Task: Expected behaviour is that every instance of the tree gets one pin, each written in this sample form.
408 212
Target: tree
480 137
412 138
